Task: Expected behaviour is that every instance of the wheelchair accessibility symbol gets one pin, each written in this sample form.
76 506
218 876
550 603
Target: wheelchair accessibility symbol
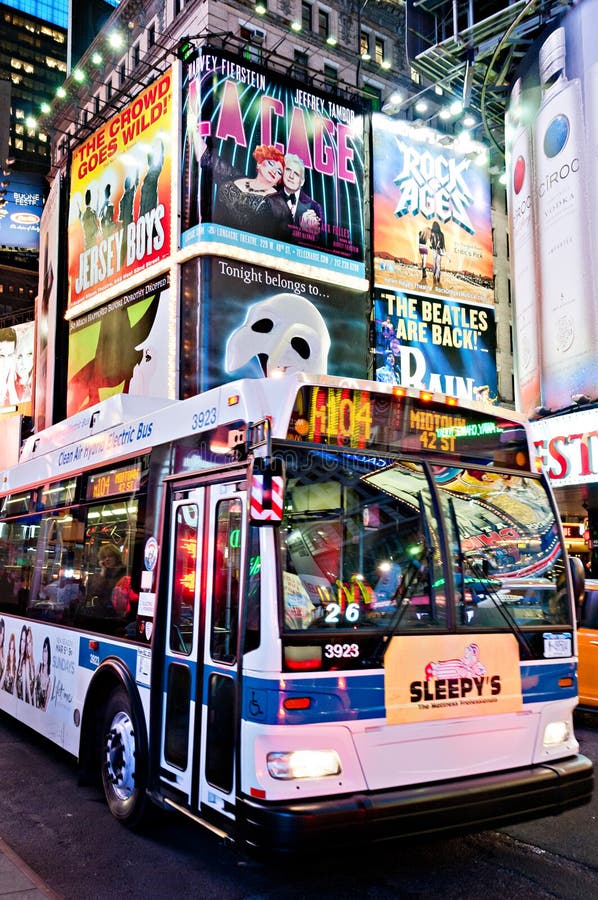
257 705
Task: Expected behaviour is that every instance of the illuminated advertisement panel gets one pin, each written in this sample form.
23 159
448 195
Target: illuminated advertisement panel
270 167
435 344
16 366
21 214
256 321
432 226
121 347
551 135
566 447
119 212
46 310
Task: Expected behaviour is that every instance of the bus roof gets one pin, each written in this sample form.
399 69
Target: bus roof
125 425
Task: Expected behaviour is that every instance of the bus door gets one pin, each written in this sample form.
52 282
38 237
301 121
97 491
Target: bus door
207 538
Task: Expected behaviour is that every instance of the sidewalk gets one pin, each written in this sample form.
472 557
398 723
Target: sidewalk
18 881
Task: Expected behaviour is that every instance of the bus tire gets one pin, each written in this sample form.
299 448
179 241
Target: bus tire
123 761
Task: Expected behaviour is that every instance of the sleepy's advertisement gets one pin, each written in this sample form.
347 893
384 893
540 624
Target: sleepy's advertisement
119 212
432 225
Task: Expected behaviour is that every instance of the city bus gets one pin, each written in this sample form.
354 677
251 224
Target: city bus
295 610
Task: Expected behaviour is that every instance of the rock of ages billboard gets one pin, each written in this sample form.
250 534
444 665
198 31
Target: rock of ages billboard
252 322
119 212
271 167
432 226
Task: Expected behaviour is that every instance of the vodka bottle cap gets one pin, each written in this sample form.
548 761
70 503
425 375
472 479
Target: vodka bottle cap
552 56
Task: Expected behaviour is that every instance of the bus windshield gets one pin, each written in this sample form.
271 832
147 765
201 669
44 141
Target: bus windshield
377 543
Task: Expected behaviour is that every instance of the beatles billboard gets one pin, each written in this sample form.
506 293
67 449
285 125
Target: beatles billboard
432 223
435 344
119 212
251 322
270 167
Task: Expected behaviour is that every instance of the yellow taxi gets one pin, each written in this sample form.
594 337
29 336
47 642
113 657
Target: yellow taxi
587 643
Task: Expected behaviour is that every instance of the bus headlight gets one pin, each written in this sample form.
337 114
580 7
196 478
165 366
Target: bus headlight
556 733
303 764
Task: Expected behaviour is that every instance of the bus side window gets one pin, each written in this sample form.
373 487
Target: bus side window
225 599
56 583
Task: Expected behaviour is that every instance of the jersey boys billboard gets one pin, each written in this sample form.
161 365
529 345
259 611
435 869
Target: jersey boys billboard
270 167
119 213
432 226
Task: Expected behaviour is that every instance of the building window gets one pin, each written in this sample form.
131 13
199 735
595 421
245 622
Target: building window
374 94
253 48
136 55
330 77
364 44
306 16
301 61
323 23
379 50
415 76
151 35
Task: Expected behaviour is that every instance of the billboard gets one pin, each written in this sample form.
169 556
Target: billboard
119 211
20 216
432 226
121 347
271 168
16 366
255 321
435 344
567 447
46 305
551 135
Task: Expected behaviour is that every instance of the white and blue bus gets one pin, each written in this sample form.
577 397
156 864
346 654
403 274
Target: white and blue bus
295 609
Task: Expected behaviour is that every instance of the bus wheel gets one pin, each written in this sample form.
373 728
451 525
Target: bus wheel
123 762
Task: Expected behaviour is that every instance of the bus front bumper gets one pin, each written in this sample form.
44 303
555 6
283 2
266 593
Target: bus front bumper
446 807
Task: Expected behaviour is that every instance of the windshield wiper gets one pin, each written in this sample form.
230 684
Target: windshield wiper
477 570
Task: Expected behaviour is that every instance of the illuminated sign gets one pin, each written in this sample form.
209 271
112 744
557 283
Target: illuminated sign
118 481
567 447
448 676
348 417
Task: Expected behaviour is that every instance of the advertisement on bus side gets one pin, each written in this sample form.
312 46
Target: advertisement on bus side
271 168
432 224
38 668
257 321
119 209
448 676
121 347
435 344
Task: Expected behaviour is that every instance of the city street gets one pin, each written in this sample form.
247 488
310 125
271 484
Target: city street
66 835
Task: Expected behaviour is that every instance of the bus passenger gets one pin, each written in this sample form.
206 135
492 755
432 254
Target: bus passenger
100 587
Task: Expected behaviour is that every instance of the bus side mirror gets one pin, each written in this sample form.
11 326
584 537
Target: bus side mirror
266 491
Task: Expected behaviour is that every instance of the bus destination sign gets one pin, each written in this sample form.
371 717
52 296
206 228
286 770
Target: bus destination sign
348 417
125 480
